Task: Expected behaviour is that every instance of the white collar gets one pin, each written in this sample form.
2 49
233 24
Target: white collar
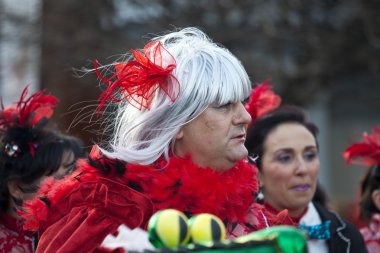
310 218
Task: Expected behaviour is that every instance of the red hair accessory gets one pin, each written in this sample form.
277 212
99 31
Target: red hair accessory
139 79
27 112
12 149
262 100
368 150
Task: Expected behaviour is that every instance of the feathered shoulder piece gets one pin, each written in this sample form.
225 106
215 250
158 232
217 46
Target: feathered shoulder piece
366 152
27 112
262 100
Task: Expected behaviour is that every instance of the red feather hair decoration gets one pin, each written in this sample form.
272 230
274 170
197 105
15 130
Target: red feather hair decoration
365 153
28 112
139 79
262 101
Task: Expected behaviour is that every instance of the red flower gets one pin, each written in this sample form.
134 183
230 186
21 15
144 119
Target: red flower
367 152
262 100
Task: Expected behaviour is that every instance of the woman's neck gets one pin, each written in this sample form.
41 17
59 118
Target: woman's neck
298 213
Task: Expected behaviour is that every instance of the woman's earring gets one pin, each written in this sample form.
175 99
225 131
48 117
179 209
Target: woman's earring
260 196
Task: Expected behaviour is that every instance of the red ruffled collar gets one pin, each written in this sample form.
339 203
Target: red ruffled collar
179 184
288 220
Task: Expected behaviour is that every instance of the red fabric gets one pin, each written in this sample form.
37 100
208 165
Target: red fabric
81 220
89 205
138 80
12 236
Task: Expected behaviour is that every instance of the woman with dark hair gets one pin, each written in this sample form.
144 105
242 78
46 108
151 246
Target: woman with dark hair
284 145
29 152
367 153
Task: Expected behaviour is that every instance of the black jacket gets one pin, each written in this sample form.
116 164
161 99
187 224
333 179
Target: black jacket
345 237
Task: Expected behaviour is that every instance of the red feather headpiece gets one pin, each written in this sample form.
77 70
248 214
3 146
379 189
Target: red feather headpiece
262 101
367 152
28 112
138 80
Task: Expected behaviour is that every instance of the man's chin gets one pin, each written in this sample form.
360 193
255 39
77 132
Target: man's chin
238 156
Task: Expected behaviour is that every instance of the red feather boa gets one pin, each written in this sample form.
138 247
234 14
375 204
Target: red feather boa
178 184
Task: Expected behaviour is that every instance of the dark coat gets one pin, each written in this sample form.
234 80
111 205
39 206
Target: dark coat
345 237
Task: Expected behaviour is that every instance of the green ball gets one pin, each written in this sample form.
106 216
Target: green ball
206 228
168 228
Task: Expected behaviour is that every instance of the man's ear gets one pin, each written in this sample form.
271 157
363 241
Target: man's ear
376 198
179 135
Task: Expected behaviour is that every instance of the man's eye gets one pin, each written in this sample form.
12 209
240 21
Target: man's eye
225 105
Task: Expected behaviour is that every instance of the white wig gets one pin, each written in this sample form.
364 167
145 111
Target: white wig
207 74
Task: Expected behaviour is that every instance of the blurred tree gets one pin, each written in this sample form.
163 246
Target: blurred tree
307 47
20 41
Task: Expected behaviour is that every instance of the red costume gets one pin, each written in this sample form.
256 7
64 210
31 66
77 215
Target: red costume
13 238
78 212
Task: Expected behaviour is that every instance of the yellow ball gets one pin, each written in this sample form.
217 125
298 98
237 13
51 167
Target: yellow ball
206 228
168 228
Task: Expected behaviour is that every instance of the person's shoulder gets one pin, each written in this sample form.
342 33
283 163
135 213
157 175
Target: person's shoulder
344 229
336 221
324 212
356 237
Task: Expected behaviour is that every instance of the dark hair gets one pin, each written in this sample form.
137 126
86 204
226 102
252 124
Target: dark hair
74 144
39 154
320 196
262 127
370 183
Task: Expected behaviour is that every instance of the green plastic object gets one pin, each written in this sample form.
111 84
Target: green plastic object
288 239
276 239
